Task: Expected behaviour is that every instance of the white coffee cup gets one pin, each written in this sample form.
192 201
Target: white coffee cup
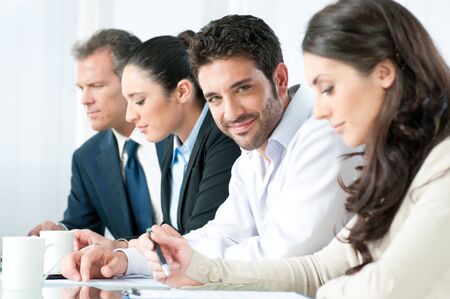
62 244
23 263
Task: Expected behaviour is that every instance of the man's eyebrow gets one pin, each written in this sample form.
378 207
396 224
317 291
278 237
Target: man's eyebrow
240 82
209 94
234 85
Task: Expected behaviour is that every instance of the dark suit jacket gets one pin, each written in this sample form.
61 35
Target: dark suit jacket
205 182
97 197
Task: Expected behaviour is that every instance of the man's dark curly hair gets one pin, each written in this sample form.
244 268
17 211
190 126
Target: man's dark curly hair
237 36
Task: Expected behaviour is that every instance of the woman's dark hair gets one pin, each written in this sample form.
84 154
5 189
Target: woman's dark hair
186 37
165 59
415 113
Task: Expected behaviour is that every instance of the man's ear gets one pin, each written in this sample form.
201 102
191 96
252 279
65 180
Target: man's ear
184 90
386 73
281 77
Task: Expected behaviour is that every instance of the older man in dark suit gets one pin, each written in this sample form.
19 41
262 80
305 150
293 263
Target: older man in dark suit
99 197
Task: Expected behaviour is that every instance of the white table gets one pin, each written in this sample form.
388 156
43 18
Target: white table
148 288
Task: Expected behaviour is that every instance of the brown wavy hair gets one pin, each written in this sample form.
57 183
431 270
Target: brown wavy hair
415 114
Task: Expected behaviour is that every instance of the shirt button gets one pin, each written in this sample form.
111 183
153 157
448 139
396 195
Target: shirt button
203 269
214 277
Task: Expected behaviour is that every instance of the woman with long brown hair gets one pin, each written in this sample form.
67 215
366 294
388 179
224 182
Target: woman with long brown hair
379 81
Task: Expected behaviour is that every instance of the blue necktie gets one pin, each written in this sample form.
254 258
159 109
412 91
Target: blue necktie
137 189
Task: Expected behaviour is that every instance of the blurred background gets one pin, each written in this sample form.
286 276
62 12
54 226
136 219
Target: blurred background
41 119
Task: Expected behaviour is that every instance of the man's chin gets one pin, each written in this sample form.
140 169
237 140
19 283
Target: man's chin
250 144
98 128
244 140
247 145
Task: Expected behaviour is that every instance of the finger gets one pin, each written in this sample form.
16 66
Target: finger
173 267
84 293
49 225
86 262
110 294
106 295
150 255
116 266
76 245
79 245
45 225
76 233
145 242
144 245
165 229
153 256
157 229
154 266
133 243
167 245
84 238
78 241
169 241
160 276
35 231
171 231
69 267
94 292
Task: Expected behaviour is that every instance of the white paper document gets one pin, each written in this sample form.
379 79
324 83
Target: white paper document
125 282
197 294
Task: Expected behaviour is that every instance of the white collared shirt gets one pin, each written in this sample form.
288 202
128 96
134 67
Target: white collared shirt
148 158
289 207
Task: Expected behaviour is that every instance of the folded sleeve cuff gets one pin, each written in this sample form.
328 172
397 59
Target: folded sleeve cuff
202 269
137 263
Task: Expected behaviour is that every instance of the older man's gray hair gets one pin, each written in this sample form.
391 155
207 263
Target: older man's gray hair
120 42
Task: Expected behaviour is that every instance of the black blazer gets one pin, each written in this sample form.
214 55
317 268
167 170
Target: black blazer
97 197
205 182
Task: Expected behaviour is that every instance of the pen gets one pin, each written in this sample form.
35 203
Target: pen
162 260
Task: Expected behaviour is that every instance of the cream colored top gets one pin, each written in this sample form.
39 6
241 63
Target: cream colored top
411 261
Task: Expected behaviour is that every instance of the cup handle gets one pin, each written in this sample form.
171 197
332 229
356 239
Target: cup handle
52 267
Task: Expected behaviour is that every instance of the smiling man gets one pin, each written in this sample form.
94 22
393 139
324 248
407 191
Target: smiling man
284 199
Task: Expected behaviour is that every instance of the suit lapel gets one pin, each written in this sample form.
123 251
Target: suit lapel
160 147
198 145
165 179
111 186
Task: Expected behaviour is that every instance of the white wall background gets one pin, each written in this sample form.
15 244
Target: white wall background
41 121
